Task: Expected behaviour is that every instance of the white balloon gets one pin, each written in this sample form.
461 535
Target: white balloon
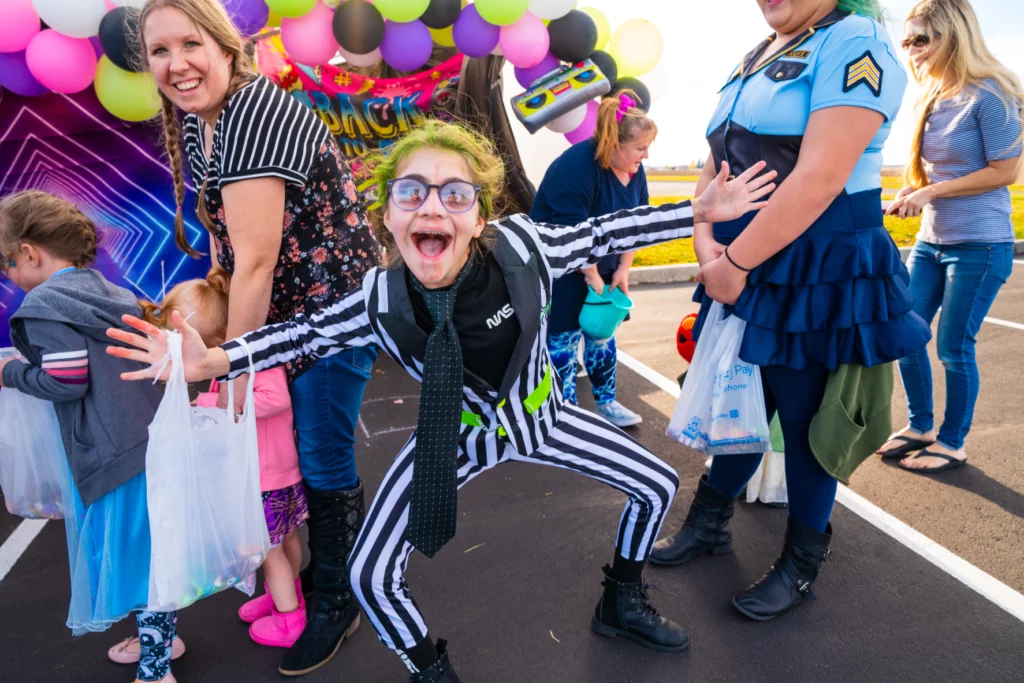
129 3
569 121
657 81
74 18
551 9
368 59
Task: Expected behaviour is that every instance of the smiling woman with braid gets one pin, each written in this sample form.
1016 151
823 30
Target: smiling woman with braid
280 203
488 396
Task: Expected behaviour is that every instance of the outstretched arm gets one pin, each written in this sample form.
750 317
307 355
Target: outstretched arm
570 248
345 324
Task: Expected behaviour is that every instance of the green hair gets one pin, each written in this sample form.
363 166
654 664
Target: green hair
867 8
485 166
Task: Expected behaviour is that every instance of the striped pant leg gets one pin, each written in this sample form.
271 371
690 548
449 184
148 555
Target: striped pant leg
381 554
583 442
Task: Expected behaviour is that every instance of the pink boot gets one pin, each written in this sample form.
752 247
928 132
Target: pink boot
279 630
260 607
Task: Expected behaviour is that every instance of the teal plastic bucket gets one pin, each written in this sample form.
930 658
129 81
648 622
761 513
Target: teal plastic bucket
603 313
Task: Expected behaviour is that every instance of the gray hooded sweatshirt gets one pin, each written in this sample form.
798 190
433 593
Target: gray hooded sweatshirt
104 421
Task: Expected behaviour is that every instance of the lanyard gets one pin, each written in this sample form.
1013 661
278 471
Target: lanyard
64 270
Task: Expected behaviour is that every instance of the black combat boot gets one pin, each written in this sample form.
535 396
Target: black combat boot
706 529
335 518
789 581
625 610
441 671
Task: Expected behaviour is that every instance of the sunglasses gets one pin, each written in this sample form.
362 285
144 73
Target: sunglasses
409 194
918 41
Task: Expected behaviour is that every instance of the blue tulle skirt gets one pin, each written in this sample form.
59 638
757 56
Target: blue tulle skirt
108 549
837 295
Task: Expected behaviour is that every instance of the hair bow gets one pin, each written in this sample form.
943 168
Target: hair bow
625 103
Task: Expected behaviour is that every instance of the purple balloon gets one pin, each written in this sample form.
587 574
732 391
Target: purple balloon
474 36
15 76
249 16
527 76
97 46
406 46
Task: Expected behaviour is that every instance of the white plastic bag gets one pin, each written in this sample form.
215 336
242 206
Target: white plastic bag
769 481
203 486
33 465
720 410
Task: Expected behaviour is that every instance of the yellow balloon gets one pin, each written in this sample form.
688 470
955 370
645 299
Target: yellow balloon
275 19
604 29
443 36
128 96
636 47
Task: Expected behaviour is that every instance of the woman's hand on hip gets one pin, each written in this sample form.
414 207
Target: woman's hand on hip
722 281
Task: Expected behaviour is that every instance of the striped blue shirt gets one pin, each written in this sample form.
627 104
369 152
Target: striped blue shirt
962 136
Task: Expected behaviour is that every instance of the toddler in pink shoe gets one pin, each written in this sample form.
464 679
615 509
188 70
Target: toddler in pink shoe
278 616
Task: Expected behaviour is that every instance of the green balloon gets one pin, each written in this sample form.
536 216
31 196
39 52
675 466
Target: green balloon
401 10
502 12
291 8
127 95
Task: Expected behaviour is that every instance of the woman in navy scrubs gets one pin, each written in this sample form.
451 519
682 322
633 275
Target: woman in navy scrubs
815 275
592 178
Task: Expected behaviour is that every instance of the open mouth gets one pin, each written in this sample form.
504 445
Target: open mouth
431 243
188 86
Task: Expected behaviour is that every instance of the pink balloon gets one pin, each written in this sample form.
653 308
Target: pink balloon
587 128
309 39
21 24
369 59
62 64
526 42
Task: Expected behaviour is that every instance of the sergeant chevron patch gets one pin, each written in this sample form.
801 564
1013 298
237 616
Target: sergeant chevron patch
864 70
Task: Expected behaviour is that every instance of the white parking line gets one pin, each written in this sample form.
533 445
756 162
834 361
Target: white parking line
985 584
1004 323
18 542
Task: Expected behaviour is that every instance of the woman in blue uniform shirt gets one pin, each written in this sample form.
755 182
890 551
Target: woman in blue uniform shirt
815 275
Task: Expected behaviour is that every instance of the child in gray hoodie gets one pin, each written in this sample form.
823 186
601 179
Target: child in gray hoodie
60 329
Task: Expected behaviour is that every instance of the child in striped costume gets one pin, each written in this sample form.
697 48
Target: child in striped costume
463 308
60 330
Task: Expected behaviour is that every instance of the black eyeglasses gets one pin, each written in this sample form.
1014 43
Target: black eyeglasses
918 41
409 194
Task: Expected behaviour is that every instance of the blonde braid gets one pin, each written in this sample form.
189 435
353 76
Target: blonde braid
172 133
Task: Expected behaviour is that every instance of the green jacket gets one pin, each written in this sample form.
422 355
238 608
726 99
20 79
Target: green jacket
855 418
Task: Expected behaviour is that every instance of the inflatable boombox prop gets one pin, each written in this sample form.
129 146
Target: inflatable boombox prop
558 92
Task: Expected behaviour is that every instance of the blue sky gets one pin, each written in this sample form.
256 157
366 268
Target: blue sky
704 39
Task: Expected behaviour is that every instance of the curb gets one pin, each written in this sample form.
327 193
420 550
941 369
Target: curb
685 272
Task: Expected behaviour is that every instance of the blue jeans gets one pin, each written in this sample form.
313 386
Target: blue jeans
325 401
963 279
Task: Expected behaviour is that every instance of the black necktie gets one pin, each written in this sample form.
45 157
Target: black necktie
434 506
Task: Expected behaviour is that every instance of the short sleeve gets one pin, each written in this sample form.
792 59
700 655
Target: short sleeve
569 190
857 71
268 133
1000 129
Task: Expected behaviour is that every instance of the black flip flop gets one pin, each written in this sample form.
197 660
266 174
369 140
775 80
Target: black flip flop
911 444
951 464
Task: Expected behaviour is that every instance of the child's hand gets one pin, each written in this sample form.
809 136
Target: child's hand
726 200
152 349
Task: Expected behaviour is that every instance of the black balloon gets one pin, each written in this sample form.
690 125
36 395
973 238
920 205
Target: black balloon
358 26
573 37
118 32
642 93
606 63
441 13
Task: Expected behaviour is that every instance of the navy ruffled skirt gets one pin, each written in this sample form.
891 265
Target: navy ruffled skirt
837 295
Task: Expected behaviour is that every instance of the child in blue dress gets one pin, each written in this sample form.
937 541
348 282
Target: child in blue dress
60 329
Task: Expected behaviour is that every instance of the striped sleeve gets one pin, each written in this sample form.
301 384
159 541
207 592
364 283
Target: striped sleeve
570 248
267 133
332 330
63 373
1000 125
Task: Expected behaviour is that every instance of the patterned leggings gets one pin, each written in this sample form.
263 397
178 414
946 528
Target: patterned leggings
156 633
599 357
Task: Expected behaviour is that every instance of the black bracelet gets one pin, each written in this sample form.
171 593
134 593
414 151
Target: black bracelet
745 270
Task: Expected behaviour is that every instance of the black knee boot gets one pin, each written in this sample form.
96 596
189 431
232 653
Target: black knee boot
625 610
334 521
441 671
789 581
706 529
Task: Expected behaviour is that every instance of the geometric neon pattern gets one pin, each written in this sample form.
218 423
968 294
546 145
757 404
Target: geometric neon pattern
115 172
